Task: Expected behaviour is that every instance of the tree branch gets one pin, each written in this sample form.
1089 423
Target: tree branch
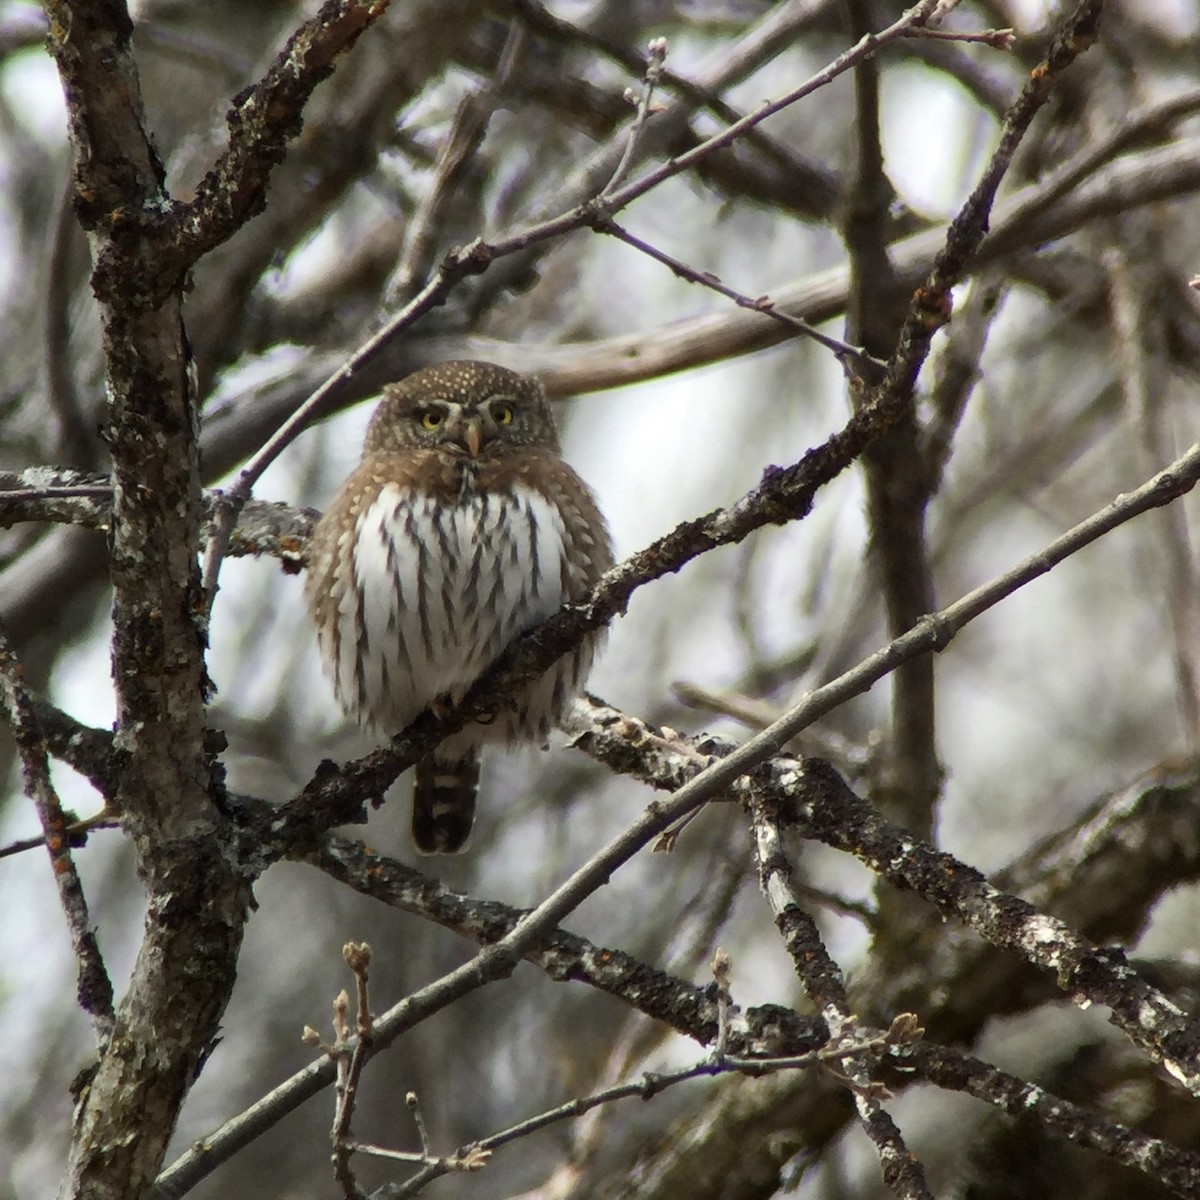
94 989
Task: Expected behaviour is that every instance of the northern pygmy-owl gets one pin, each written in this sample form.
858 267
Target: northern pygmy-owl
461 528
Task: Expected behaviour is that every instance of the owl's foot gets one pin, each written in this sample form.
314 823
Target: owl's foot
442 706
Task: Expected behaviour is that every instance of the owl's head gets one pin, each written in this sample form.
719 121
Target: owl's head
472 408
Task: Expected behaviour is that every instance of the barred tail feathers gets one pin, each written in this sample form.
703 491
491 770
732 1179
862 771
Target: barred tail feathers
444 802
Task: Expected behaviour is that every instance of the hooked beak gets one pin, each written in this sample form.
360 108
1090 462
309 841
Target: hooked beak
474 437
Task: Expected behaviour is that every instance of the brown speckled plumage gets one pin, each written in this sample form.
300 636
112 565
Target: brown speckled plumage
461 528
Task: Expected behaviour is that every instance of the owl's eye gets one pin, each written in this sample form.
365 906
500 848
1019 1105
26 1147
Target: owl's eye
502 414
431 418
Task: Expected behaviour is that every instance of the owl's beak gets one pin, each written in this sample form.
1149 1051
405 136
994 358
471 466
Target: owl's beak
474 437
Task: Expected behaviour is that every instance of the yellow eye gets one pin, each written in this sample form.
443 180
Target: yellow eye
502 414
431 418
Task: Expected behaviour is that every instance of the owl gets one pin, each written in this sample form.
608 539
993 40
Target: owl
461 528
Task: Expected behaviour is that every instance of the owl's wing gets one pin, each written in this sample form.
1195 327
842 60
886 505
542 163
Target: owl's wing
587 543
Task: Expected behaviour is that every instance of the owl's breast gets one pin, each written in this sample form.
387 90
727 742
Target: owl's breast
440 588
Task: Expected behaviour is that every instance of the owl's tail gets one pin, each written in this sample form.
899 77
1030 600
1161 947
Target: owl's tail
444 802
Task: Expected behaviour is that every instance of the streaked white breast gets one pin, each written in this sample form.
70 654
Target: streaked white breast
441 590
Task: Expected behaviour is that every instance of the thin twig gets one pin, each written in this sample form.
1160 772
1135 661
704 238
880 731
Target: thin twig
649 1086
75 833
721 966
776 30
656 56
77 442
762 304
17 496
50 494
652 1084
413 1103
1149 123
94 989
1143 380
461 144
350 1052
998 39
343 1051
958 370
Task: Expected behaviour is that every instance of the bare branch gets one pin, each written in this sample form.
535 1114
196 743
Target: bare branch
1144 379
1178 1170
851 356
263 120
466 135
823 981
93 987
656 56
